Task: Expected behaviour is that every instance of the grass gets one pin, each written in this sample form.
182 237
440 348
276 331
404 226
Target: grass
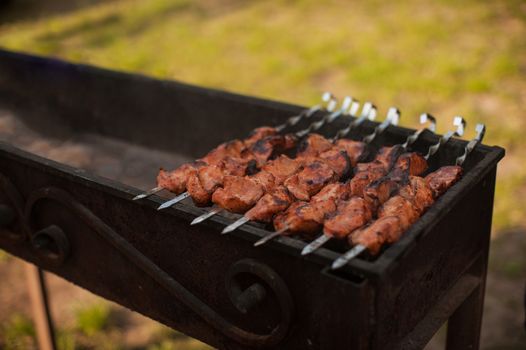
92 319
17 333
446 58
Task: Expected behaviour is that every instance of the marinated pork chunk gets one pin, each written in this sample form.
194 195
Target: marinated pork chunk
310 180
401 211
440 180
349 215
309 216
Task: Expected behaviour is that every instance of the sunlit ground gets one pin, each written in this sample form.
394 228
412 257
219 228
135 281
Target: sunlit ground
466 58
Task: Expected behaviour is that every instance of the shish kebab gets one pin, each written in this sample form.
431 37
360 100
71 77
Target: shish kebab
401 211
308 182
315 150
202 186
308 217
233 147
202 195
346 211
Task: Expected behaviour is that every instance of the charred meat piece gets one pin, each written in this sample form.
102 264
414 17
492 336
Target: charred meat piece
374 235
299 217
408 164
402 208
268 147
389 155
238 194
232 148
401 211
339 161
440 180
258 134
366 173
349 215
207 179
313 145
282 168
175 181
356 150
418 192
310 217
270 204
310 180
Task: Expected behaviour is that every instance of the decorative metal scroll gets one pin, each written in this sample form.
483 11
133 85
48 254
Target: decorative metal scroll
52 247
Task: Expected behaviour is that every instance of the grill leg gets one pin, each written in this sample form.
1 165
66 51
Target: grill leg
40 307
464 324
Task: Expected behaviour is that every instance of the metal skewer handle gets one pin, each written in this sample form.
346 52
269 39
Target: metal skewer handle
460 123
327 97
481 131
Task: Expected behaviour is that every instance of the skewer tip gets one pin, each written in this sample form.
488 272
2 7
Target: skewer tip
345 258
316 244
233 226
269 237
173 201
206 215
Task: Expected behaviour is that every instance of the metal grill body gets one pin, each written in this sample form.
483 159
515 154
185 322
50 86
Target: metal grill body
86 228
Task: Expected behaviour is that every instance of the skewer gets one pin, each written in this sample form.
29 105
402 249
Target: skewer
148 193
270 237
392 118
424 118
358 249
327 97
174 200
206 215
460 123
368 112
348 256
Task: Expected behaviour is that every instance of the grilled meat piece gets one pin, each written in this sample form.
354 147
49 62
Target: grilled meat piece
401 211
365 174
299 217
389 155
313 145
339 162
271 203
282 168
238 194
207 179
373 236
443 178
349 215
258 134
418 192
268 147
310 180
175 181
232 148
378 191
356 150
309 217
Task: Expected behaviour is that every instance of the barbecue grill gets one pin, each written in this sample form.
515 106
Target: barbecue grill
221 289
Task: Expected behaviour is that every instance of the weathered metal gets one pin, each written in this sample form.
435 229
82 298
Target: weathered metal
88 230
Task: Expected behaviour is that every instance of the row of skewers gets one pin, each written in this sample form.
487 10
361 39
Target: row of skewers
306 184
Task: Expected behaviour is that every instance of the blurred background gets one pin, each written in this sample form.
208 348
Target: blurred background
446 58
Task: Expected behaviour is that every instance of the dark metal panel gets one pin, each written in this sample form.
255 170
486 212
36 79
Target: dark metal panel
196 257
412 285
